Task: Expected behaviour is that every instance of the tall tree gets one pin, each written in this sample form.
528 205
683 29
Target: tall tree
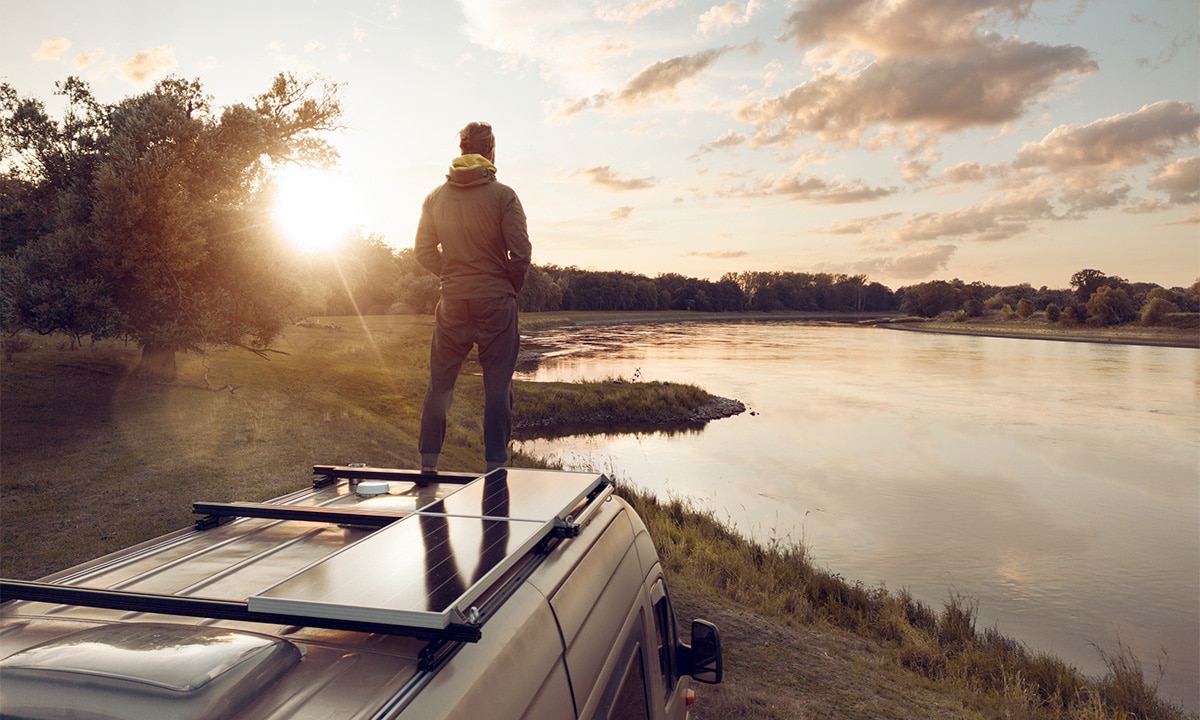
1088 281
157 229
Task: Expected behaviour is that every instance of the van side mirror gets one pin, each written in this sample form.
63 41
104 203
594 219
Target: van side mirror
704 657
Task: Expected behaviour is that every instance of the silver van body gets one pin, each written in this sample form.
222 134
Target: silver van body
375 593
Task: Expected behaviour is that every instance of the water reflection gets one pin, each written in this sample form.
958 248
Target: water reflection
611 431
1054 482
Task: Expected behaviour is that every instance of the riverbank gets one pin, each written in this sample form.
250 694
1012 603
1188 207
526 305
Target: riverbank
1036 327
1041 329
533 322
803 642
559 409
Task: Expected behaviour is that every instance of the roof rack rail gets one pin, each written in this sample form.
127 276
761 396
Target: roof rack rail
513 515
218 513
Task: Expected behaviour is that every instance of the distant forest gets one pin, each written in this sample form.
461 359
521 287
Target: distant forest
372 278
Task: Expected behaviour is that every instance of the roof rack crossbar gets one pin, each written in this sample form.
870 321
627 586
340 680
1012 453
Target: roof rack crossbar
214 513
330 473
215 609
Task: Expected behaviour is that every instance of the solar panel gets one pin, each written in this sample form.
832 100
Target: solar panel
428 568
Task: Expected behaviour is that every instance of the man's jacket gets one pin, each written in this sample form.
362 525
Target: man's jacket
472 233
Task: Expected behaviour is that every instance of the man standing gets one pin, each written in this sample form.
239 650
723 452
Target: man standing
473 236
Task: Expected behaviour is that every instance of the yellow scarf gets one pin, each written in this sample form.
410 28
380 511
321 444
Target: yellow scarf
466 162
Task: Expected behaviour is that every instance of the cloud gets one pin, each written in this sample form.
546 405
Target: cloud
1180 180
1120 141
911 266
729 140
633 12
717 254
87 59
148 63
561 40
922 263
657 80
972 172
52 49
722 17
607 179
989 85
1145 207
899 28
314 46
622 213
1185 39
999 218
1082 200
663 77
819 190
858 226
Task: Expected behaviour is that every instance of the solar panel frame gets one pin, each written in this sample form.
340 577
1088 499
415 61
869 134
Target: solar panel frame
423 570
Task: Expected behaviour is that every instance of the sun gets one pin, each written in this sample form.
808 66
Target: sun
315 209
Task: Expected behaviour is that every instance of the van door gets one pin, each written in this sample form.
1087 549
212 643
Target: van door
627 697
669 689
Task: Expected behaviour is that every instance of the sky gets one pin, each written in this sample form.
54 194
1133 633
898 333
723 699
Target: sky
1002 141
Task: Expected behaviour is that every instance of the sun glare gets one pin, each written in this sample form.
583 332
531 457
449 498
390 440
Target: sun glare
315 209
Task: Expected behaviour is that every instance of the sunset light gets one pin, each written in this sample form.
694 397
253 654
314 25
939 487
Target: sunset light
1002 141
315 209
897 299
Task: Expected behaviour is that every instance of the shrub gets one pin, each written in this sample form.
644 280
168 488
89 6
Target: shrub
1110 306
1156 309
15 344
1026 307
1053 312
997 301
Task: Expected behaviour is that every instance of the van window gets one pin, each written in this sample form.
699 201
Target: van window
630 703
664 625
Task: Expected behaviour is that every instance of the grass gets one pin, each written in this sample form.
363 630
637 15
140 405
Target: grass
93 463
565 408
977 673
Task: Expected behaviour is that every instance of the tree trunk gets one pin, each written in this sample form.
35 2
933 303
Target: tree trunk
157 365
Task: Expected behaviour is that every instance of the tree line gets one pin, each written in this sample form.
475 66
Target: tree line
1094 298
148 219
371 278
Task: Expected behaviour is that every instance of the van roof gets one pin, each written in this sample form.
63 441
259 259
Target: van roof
419 563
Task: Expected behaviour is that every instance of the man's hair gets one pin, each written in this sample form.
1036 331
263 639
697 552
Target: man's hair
476 138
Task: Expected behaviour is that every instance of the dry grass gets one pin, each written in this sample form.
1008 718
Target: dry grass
93 463
929 662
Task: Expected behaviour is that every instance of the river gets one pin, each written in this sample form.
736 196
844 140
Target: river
1055 483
